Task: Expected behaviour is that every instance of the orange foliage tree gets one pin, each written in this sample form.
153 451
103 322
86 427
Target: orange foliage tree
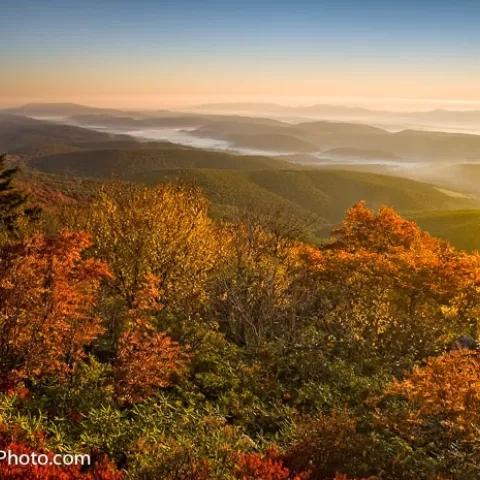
444 396
47 296
383 231
145 359
385 289
436 411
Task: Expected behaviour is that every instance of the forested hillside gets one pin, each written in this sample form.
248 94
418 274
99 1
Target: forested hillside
171 346
125 162
317 197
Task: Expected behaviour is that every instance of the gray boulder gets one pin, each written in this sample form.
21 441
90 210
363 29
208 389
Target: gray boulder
465 343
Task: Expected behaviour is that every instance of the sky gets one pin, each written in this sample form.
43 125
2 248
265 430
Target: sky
154 54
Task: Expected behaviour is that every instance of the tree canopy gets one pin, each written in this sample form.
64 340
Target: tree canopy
171 346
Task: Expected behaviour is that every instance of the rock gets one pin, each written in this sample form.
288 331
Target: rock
465 342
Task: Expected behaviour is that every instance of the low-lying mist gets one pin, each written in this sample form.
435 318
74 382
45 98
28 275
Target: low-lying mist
221 131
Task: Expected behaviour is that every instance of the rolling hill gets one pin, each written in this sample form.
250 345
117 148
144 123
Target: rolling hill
272 142
461 228
264 134
410 145
232 181
461 176
359 153
127 162
326 194
114 121
314 128
220 128
27 136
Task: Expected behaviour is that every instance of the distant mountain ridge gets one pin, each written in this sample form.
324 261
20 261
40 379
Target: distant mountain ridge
341 111
64 110
327 111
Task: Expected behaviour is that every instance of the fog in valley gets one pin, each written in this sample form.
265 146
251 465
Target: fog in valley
458 172
437 146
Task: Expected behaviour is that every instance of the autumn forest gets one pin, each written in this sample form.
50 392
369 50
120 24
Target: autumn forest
171 345
239 240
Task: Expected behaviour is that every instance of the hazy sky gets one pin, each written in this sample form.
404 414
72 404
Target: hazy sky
163 53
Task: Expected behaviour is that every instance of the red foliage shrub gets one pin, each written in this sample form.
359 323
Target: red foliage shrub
255 466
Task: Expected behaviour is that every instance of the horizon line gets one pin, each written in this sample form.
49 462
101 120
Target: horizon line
314 101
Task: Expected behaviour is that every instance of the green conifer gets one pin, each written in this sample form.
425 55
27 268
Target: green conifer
13 201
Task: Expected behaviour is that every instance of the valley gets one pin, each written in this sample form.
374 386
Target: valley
311 170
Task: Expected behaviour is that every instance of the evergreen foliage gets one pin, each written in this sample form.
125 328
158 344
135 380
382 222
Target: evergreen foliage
13 201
